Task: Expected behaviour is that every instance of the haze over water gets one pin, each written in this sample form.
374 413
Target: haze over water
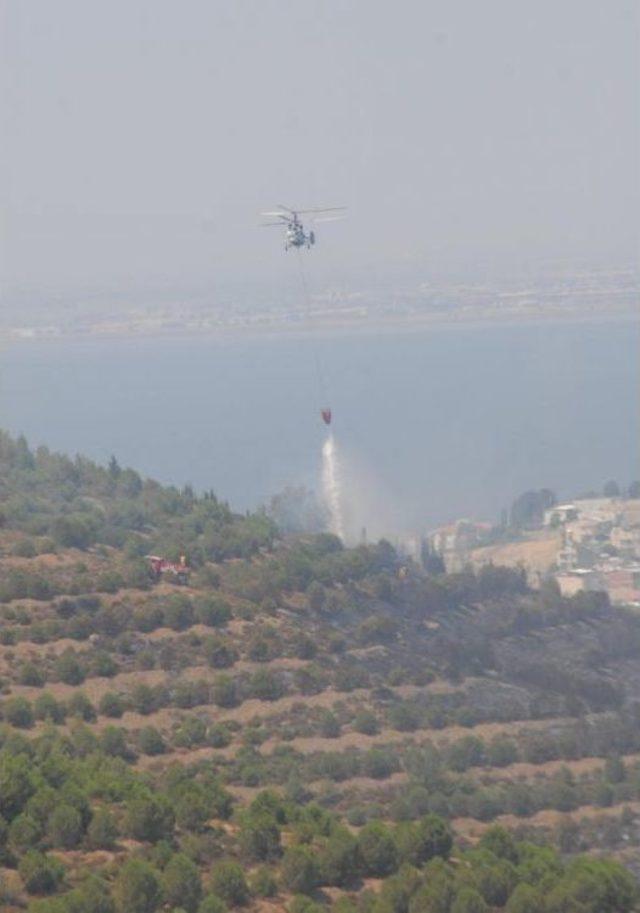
430 424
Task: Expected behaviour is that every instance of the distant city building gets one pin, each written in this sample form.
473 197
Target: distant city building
561 513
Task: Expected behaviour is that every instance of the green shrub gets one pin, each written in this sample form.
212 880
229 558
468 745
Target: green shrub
18 712
229 883
40 874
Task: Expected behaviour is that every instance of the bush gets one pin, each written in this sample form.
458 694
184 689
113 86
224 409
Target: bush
24 833
144 699
190 733
219 652
300 873
377 850
228 883
469 900
224 691
40 874
111 705
339 859
29 674
46 707
137 888
366 723
150 819
421 841
266 685
181 883
104 665
68 668
150 741
178 613
263 883
113 741
259 837
79 705
102 831
379 763
64 827
212 612
17 711
212 904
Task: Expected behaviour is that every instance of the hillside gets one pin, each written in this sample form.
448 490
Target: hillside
301 726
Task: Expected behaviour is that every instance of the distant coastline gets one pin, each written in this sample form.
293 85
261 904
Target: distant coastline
330 327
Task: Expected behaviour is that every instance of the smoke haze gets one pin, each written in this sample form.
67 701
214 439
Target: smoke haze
143 136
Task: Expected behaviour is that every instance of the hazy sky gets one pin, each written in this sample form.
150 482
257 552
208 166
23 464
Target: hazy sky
143 136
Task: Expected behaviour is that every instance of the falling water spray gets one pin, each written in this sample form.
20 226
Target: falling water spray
331 486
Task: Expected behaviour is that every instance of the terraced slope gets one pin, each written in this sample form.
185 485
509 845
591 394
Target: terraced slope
299 722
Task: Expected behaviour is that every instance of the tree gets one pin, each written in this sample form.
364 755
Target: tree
102 831
525 899
143 699
31 675
16 784
436 896
228 883
40 874
595 886
150 741
64 827
469 901
25 832
181 883
366 723
137 888
300 873
79 705
212 904
178 613
396 892
46 707
149 818
501 752
224 692
219 652
112 705
611 489
212 612
192 808
419 842
498 840
259 837
113 742
263 883
266 685
339 859
18 712
73 531
92 895
68 668
528 509
377 849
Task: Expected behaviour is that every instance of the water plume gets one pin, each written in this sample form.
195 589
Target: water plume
331 486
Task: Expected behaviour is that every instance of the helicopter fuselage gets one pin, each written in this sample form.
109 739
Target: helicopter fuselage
297 237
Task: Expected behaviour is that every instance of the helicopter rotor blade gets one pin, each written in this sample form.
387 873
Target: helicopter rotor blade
327 209
328 219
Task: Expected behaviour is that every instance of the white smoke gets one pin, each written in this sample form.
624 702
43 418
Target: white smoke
331 486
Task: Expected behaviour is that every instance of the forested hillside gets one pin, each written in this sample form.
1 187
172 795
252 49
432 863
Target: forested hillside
300 726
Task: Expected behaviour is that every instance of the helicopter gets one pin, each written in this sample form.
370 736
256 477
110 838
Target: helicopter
295 233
